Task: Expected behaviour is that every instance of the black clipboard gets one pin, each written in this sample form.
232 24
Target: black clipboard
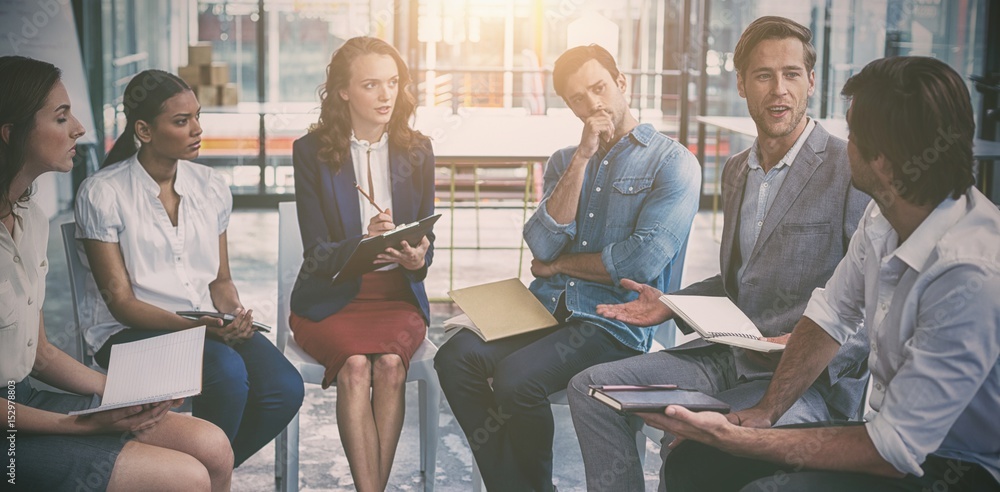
362 259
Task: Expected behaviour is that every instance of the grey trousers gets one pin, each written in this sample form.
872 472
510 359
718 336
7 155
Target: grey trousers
607 437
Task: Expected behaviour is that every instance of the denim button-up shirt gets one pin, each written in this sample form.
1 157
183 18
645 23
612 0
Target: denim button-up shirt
635 210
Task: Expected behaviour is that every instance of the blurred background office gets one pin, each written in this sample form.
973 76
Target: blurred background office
491 56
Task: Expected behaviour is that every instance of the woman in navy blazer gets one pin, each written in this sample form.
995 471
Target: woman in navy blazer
363 153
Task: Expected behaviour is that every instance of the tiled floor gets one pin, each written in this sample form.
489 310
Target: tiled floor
253 249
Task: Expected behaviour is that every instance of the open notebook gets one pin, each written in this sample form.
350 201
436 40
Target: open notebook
156 369
718 320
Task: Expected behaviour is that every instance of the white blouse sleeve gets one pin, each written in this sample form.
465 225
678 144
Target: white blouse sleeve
98 216
222 198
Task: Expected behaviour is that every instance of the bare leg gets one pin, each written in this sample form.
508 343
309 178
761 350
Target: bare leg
388 405
179 453
356 423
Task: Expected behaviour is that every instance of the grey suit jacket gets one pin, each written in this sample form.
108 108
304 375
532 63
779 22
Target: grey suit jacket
805 235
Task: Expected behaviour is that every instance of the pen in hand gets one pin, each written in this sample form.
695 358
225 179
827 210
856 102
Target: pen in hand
369 199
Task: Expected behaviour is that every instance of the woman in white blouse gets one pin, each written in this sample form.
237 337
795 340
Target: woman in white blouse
137 448
153 225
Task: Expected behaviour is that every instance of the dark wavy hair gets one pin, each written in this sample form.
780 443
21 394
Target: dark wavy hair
25 84
916 112
143 101
334 126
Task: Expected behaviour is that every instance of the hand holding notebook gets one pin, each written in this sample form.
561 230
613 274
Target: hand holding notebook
718 320
362 259
654 398
166 367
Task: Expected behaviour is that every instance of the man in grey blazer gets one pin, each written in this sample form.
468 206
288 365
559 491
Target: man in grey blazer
789 213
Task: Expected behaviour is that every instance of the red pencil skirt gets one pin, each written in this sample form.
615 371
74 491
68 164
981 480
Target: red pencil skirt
382 319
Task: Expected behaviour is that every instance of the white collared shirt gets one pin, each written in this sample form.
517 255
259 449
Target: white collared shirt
932 309
381 179
22 290
361 150
169 267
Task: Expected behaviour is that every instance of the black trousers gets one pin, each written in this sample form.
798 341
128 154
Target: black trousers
696 467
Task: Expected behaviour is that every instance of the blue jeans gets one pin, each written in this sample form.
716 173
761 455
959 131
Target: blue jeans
250 391
509 423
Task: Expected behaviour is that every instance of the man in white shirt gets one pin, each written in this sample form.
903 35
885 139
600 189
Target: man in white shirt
923 274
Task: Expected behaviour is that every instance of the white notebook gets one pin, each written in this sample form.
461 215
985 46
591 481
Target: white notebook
718 320
156 369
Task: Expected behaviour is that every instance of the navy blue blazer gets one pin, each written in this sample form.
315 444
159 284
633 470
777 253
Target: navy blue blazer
330 222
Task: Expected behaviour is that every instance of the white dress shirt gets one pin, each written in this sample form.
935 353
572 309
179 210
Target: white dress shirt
932 308
169 267
22 290
378 152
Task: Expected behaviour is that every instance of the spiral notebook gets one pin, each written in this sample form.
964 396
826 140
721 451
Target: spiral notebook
718 320
156 369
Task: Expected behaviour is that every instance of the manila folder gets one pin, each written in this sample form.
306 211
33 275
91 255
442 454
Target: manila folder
503 309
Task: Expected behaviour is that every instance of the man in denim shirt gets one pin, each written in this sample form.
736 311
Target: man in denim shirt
618 205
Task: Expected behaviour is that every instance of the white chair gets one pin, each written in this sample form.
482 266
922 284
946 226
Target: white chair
286 449
77 283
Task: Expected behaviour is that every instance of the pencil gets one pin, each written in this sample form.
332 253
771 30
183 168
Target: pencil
369 199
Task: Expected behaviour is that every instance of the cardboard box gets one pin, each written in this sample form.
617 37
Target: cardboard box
215 73
190 74
200 54
208 95
229 95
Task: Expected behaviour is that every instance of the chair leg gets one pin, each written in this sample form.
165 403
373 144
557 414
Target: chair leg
280 451
477 477
640 446
430 402
286 457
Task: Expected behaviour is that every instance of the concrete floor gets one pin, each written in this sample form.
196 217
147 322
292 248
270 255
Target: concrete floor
253 249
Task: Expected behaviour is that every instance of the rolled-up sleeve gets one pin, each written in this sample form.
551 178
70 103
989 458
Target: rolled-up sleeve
545 237
663 223
97 214
838 306
953 350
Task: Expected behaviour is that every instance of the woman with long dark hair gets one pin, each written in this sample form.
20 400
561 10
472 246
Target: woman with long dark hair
137 448
153 225
358 172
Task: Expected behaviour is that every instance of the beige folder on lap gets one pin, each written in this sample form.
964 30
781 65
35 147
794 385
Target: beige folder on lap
499 310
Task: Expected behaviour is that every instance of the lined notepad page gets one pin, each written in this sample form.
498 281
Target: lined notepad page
156 369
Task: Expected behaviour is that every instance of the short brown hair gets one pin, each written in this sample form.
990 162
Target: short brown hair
569 62
916 112
772 27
